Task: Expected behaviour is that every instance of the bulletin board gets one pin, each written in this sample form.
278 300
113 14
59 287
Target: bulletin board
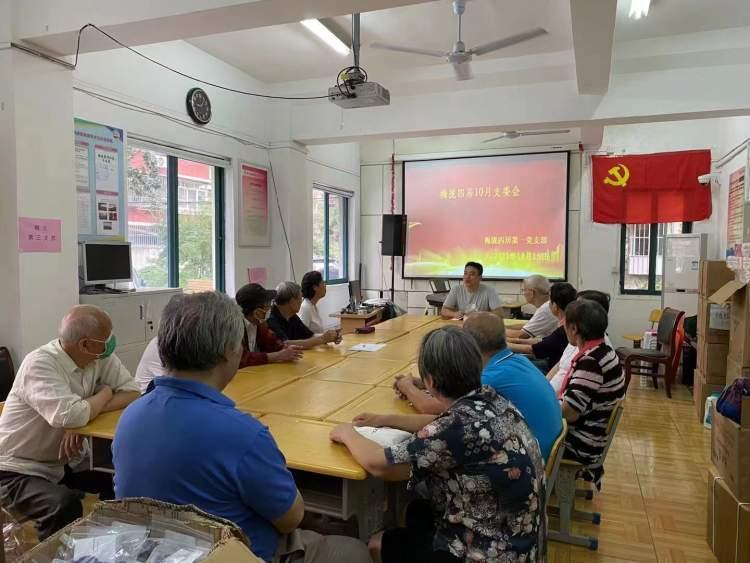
100 181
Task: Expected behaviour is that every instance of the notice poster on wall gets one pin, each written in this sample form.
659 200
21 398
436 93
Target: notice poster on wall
39 235
83 188
735 217
254 217
107 215
100 180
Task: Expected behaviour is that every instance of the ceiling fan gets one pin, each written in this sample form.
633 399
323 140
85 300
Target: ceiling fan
460 57
516 134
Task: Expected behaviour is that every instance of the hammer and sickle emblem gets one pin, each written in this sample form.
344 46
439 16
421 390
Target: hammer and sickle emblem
616 178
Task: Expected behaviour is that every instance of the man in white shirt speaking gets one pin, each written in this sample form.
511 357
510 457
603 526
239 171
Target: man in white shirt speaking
59 387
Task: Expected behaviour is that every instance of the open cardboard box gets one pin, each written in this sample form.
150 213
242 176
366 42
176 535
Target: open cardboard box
229 543
730 451
735 292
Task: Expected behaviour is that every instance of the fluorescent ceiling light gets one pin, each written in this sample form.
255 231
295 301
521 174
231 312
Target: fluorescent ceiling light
639 8
327 36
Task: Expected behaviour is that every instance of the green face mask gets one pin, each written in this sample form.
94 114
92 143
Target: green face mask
109 347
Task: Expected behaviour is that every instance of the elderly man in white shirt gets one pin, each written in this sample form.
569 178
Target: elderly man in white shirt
536 291
59 387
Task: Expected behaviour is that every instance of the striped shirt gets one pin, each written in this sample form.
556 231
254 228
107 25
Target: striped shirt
595 386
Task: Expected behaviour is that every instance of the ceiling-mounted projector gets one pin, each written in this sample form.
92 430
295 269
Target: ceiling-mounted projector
352 89
363 95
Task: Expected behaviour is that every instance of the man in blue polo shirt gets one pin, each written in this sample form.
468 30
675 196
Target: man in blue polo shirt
512 375
186 443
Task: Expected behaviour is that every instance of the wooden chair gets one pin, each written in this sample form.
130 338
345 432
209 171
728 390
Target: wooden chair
666 354
565 487
555 457
636 339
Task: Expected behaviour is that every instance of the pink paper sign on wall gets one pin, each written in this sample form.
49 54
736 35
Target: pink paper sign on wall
257 275
39 235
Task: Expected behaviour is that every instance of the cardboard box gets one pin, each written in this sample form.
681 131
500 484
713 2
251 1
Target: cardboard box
713 274
712 361
728 522
735 370
701 391
229 543
735 293
713 322
730 451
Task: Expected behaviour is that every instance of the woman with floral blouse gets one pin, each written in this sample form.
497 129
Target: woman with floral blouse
476 467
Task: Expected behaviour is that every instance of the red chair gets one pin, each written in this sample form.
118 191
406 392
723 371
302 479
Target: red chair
667 352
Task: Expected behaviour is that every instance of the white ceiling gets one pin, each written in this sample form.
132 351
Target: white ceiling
290 53
287 53
673 17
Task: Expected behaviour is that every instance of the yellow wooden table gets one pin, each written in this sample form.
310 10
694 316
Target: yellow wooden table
408 322
379 400
103 426
410 369
254 382
403 349
376 337
307 447
306 398
366 371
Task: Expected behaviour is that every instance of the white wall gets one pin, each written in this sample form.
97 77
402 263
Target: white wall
36 131
376 201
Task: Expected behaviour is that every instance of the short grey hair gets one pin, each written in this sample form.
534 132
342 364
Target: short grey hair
452 359
286 291
82 321
487 330
538 283
196 330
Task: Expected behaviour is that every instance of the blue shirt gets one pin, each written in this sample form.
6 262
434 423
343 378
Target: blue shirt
185 443
514 377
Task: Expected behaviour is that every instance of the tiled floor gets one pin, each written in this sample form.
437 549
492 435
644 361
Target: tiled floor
653 501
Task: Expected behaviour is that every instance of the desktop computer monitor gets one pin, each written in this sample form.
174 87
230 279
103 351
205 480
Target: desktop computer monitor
105 262
355 295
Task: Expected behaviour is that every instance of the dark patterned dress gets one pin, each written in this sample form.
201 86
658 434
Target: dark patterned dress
481 469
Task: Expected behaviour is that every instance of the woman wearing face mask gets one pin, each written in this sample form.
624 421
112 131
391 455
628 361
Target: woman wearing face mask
260 344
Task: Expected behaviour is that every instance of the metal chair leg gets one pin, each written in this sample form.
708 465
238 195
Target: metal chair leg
566 493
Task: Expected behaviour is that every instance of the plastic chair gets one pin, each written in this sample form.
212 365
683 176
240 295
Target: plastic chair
555 457
565 486
666 354
653 318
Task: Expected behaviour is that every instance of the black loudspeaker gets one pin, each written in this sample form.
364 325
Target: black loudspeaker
394 235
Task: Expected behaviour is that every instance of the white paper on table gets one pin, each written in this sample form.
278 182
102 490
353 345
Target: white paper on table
367 347
385 437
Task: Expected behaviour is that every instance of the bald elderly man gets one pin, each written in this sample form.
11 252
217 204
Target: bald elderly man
59 387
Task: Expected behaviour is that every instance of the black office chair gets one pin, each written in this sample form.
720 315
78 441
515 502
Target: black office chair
440 290
7 373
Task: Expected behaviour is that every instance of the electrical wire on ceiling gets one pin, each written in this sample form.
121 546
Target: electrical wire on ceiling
179 72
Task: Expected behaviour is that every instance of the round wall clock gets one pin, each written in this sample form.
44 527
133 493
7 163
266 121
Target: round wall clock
198 106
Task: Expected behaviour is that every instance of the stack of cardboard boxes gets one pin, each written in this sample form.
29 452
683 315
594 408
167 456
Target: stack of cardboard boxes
713 333
728 531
